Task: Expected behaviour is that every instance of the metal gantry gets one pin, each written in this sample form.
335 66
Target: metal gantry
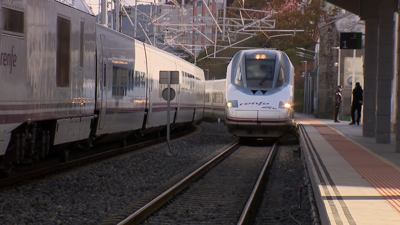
179 26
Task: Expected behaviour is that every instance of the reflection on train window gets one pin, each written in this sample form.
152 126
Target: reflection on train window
63 52
13 20
281 78
124 81
189 81
260 73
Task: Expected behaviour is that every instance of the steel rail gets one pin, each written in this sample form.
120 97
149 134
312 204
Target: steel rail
54 168
251 205
156 203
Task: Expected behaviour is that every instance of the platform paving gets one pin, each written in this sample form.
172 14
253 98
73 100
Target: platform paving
355 180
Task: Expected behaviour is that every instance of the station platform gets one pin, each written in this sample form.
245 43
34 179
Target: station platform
355 180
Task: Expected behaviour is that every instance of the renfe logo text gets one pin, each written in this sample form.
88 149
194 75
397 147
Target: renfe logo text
7 59
254 103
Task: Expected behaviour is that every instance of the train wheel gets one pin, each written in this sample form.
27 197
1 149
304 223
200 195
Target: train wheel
63 154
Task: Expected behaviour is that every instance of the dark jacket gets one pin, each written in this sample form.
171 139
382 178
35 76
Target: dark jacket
338 98
357 95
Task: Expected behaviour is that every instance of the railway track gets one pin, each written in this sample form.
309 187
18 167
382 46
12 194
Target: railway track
226 189
48 169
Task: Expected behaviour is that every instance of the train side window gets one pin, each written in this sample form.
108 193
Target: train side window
281 78
143 79
13 20
63 52
131 80
137 79
121 81
115 88
123 86
82 49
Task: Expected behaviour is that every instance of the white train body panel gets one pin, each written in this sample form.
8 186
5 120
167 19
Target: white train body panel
188 104
121 96
32 88
259 94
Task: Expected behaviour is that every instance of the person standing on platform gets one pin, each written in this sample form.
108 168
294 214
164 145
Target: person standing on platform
356 104
338 101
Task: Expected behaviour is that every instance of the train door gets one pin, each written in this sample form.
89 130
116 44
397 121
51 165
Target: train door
150 82
212 99
103 83
178 90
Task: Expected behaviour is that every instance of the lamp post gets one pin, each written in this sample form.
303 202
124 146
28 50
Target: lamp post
305 88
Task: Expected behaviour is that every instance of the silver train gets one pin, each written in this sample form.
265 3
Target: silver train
256 98
65 79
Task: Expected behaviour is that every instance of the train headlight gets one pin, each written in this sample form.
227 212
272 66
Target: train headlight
232 103
284 105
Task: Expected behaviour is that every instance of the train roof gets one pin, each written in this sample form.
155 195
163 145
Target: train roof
260 50
80 5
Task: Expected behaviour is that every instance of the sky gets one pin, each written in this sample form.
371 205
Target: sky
95 3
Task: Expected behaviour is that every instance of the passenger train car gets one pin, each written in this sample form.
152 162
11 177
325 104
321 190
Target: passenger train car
258 94
215 100
65 79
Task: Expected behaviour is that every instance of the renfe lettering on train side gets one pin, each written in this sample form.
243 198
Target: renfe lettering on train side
8 59
254 103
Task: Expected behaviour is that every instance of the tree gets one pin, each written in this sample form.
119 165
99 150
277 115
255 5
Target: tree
295 15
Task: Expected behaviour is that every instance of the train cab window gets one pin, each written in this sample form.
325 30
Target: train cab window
260 73
281 78
63 52
13 20
239 73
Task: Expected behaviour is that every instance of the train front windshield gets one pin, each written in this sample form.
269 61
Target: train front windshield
260 72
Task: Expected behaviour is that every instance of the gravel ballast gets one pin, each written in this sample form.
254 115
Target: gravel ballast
286 190
94 193
90 195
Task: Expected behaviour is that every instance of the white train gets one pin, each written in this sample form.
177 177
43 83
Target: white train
257 93
65 79
215 99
